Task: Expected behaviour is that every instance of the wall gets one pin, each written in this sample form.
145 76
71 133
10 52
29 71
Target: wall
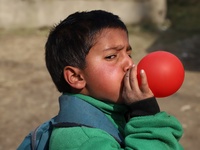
40 13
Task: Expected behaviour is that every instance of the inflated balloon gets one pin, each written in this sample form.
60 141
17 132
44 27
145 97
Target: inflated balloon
165 72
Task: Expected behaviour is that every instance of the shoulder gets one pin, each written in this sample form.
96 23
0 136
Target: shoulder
71 137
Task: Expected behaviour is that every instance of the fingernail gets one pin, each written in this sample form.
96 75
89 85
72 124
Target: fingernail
142 71
133 65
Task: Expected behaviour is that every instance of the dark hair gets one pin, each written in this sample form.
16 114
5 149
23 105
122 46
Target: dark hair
70 41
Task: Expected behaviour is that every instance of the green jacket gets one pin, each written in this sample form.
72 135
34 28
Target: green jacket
158 131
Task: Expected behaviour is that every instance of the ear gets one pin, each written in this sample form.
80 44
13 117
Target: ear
74 77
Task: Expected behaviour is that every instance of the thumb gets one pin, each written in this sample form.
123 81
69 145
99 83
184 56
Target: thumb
144 87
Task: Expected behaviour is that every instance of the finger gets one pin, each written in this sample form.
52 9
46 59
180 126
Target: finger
126 80
144 82
133 78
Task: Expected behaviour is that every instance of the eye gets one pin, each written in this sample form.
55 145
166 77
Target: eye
129 54
110 57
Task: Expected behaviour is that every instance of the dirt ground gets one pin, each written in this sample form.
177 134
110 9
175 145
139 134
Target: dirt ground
28 96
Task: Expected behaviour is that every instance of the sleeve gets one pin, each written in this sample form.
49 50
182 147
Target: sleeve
148 128
145 107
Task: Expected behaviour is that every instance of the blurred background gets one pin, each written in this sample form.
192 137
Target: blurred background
28 96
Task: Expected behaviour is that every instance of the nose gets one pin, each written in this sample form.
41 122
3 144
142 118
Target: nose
128 63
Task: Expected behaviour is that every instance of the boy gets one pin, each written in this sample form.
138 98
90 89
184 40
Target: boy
89 58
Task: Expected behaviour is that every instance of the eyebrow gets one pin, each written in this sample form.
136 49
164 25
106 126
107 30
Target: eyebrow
118 48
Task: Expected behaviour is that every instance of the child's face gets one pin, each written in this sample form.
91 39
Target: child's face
106 64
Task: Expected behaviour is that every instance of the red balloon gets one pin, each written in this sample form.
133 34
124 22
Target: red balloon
165 73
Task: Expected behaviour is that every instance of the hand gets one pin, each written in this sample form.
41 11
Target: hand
131 91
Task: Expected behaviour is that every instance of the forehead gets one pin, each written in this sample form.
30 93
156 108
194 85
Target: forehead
107 33
110 40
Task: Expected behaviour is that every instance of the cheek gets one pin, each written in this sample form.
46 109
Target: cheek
104 80
109 74
108 79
